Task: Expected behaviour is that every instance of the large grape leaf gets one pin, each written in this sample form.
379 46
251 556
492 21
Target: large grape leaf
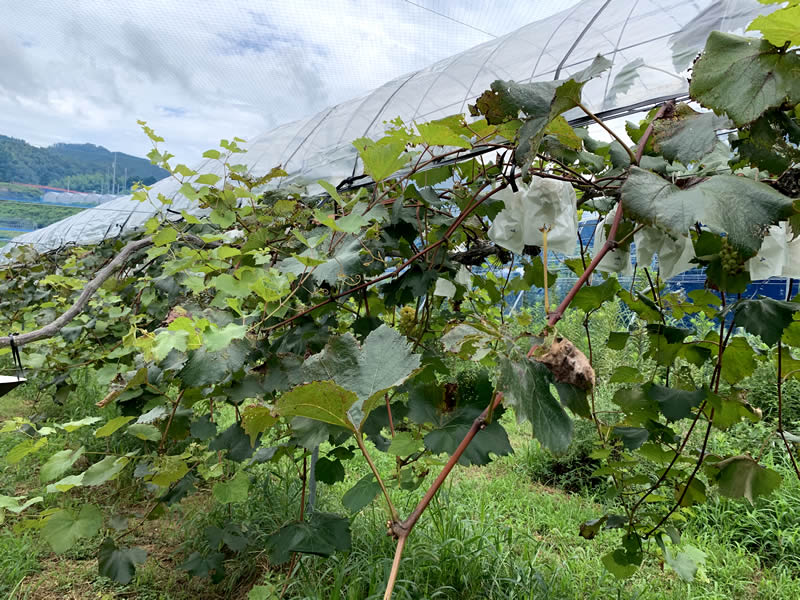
319 400
63 528
345 261
738 206
323 534
204 367
543 101
687 135
743 77
361 374
452 409
742 477
59 463
117 563
525 384
765 317
780 27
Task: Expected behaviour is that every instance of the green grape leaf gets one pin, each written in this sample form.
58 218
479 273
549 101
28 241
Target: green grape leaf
236 441
233 491
215 338
203 429
542 102
112 425
525 384
765 317
117 563
617 340
329 471
59 463
15 505
322 535
574 398
623 562
382 158
104 470
361 370
404 444
742 477
256 420
687 135
144 431
592 297
205 565
65 527
168 470
632 437
676 404
361 494
743 77
625 374
739 360
319 400
780 27
436 133
205 367
739 206
685 563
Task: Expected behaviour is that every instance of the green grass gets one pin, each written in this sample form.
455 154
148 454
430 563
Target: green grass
492 532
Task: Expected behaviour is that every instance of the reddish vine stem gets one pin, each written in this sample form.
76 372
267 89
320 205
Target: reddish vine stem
649 131
169 422
691 477
402 529
609 245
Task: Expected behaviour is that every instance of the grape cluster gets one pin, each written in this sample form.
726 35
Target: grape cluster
406 321
732 263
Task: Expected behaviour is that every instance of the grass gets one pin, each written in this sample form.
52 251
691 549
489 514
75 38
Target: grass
493 532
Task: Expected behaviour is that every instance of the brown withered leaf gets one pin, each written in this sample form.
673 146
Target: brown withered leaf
567 363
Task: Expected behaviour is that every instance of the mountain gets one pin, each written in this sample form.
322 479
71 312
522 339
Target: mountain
81 167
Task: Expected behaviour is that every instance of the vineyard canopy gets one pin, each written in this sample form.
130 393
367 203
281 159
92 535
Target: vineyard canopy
651 44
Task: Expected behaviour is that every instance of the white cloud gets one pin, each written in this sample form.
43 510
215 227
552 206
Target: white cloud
85 71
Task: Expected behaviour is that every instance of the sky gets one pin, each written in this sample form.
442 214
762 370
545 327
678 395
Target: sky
201 70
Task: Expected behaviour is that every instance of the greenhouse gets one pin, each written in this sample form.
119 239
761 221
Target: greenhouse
651 45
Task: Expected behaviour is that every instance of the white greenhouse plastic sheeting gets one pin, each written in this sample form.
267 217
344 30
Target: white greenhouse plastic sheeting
651 44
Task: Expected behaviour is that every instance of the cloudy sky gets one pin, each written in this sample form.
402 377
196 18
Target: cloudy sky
199 70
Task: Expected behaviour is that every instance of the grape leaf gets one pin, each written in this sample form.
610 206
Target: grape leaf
743 77
742 477
117 563
64 527
59 463
688 135
765 317
233 491
362 374
323 534
779 27
739 206
526 386
361 494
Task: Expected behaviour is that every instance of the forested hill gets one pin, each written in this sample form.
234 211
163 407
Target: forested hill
81 167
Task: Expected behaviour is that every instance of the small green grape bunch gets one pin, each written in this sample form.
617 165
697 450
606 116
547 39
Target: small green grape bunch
407 320
732 261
